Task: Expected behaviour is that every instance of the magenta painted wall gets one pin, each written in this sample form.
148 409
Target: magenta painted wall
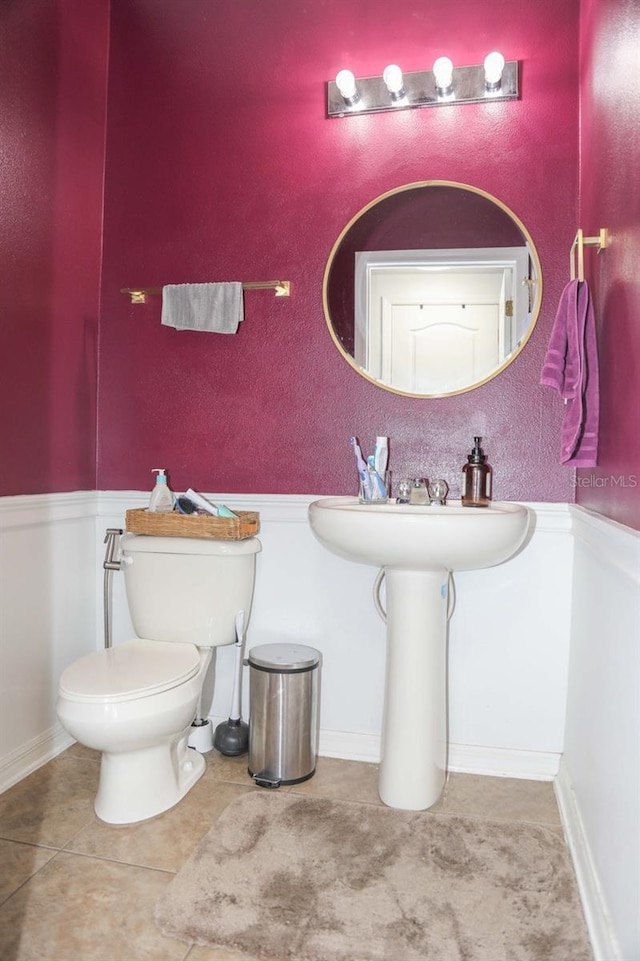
222 166
53 61
203 185
610 197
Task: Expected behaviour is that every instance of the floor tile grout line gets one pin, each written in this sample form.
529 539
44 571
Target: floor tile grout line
32 844
189 950
93 820
30 878
20 886
124 864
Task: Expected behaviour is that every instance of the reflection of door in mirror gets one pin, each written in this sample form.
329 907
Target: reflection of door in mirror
433 321
436 347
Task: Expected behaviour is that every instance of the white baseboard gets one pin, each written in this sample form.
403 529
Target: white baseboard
603 941
463 758
32 755
350 746
503 762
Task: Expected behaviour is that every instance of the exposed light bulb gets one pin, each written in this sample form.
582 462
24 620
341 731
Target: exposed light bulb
392 77
493 67
443 73
346 84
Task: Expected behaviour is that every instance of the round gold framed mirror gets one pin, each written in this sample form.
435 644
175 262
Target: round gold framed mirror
432 289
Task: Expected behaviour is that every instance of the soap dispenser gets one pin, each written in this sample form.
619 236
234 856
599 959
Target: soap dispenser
162 499
476 478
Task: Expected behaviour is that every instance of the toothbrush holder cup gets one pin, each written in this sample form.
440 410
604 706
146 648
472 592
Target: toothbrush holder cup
375 488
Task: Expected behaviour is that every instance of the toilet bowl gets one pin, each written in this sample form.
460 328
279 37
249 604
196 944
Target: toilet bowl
135 702
138 714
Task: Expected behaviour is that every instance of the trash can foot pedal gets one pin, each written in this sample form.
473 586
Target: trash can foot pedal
262 781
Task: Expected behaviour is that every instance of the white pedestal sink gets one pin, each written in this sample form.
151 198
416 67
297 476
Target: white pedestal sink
417 547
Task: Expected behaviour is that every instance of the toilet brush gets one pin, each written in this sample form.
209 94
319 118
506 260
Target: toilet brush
232 737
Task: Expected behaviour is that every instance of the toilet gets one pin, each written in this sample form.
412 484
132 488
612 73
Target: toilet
135 702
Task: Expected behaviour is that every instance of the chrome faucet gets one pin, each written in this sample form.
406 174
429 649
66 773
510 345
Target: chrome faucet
417 491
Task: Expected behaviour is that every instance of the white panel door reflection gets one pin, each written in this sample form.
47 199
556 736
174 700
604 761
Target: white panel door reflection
432 331
433 348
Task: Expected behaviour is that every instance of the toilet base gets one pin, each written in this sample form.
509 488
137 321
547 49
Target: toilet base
137 785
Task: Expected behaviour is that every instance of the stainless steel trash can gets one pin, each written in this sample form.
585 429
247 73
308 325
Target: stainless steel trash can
283 713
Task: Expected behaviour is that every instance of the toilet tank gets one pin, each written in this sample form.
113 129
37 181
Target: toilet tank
188 589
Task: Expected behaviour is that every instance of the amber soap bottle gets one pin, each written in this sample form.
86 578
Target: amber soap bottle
476 478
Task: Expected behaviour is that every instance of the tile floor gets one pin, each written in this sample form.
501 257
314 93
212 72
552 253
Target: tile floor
75 889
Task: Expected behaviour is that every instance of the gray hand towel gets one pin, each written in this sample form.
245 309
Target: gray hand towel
212 307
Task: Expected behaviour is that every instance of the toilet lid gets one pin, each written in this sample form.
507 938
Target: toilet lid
134 669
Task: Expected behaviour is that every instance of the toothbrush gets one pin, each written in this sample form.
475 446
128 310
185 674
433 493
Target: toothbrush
375 479
362 467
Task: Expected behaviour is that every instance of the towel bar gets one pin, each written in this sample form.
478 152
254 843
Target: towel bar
577 247
282 288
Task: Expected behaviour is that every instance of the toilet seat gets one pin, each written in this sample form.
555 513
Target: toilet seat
138 668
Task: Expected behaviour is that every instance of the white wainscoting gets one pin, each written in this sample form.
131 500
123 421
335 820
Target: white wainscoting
47 618
598 788
508 647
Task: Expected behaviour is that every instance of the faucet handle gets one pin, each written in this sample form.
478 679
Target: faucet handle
403 490
438 490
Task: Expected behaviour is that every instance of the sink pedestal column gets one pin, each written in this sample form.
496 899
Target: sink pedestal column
414 731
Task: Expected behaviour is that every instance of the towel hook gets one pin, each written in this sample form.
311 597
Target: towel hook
577 250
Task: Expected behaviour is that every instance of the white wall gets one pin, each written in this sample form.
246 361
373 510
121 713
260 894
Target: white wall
599 784
508 656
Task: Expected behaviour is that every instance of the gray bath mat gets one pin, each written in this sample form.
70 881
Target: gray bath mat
288 878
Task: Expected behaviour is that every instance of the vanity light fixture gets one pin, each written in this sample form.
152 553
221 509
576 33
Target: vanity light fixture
495 79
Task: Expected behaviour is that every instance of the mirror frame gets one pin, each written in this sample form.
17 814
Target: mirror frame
535 309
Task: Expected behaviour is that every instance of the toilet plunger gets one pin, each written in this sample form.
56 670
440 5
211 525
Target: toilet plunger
232 737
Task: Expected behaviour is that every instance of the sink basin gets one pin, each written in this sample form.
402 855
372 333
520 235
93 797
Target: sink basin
418 548
412 538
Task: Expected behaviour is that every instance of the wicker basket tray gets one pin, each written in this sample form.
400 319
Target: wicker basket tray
142 521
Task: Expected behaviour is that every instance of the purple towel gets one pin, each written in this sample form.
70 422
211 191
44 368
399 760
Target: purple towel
571 368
